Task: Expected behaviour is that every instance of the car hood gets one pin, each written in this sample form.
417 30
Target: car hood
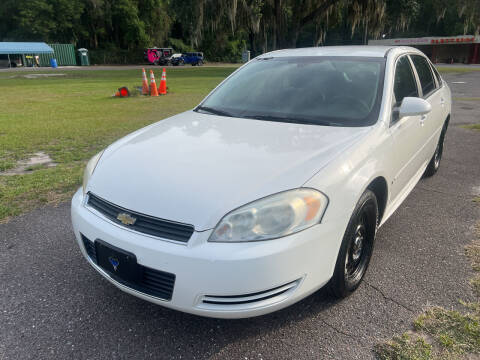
194 168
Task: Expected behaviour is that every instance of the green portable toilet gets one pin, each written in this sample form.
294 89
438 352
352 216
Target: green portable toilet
83 57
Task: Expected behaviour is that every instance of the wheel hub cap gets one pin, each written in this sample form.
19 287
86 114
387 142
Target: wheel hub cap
437 157
357 247
354 254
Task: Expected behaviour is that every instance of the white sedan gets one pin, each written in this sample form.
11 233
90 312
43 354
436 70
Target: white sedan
273 187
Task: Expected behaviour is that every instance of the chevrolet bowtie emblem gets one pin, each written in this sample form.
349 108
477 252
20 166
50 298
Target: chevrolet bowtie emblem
126 219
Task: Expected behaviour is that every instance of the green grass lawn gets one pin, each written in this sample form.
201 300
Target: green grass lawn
454 69
72 117
472 126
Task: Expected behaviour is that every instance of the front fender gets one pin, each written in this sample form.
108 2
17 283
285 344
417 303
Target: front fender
346 178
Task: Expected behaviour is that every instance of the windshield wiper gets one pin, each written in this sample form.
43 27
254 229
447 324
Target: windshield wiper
213 111
290 120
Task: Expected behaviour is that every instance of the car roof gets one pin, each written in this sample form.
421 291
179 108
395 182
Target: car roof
356 50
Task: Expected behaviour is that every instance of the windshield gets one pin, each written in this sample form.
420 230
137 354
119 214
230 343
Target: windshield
339 91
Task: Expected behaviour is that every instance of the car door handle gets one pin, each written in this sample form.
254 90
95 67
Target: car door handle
442 101
422 119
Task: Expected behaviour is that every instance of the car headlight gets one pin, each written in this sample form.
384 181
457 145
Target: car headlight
91 165
272 217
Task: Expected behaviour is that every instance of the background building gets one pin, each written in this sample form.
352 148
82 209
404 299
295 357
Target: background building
13 54
40 54
448 49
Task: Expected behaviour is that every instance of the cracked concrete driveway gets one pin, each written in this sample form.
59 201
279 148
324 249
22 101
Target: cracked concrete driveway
53 305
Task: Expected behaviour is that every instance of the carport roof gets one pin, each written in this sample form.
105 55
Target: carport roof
25 48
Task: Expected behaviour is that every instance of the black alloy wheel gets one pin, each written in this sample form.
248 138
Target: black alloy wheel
356 248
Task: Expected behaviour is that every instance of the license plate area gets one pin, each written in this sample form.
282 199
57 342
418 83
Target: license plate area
119 263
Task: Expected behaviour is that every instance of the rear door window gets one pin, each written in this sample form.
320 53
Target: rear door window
405 84
424 73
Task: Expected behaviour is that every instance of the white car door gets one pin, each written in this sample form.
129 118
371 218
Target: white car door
407 134
433 121
444 92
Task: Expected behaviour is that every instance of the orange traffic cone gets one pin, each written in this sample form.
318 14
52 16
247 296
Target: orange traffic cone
162 89
153 86
144 83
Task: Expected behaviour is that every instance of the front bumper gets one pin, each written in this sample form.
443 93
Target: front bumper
219 279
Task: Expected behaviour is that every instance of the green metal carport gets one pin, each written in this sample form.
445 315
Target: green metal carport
23 48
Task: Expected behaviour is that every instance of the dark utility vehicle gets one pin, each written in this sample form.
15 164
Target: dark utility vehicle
158 56
193 58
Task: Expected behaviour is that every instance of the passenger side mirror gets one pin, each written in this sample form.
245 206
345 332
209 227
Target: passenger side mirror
413 106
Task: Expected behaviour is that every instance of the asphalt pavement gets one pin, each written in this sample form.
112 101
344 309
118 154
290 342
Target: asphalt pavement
54 306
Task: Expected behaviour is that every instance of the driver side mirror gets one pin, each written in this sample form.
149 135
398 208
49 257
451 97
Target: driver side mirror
413 106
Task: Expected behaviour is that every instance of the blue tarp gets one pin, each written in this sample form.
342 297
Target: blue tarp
25 48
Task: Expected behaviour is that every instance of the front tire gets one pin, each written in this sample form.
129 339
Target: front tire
357 247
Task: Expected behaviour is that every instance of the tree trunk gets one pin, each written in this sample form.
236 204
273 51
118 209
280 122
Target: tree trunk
274 37
365 34
278 24
251 37
294 38
265 46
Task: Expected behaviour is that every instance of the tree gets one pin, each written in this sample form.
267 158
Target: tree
222 28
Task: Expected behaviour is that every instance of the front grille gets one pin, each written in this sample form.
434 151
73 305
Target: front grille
145 224
152 282
90 249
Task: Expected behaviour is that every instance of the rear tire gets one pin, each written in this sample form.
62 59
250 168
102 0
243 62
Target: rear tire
357 247
434 163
